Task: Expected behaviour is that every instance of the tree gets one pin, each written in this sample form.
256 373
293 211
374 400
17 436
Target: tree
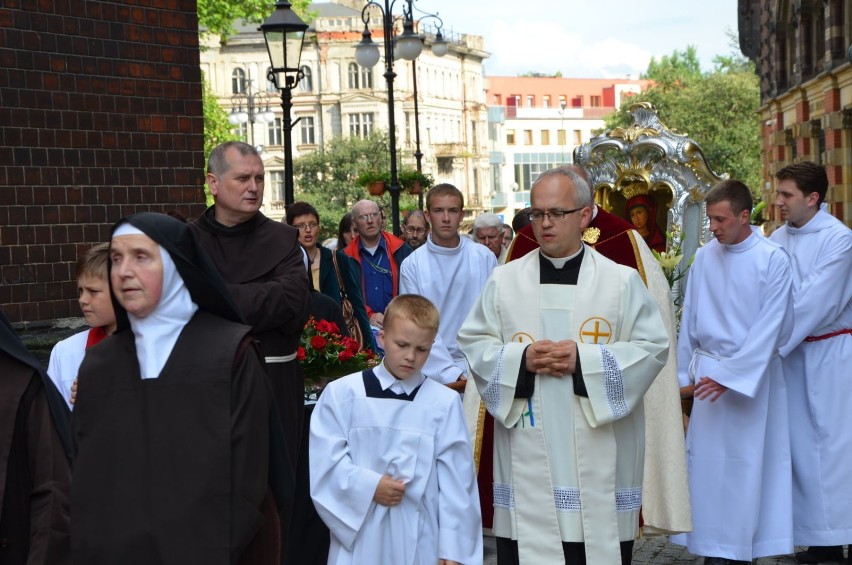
328 178
217 128
217 17
718 109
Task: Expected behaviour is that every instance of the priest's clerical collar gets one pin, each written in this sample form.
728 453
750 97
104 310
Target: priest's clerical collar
560 271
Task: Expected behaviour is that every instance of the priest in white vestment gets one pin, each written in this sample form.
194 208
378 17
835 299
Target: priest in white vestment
817 360
563 345
450 271
737 313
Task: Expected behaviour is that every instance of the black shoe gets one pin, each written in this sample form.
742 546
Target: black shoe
820 553
715 561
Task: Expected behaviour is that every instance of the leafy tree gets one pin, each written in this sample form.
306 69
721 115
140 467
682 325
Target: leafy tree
718 109
217 17
217 128
328 178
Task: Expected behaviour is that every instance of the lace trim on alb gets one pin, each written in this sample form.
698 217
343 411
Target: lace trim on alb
613 384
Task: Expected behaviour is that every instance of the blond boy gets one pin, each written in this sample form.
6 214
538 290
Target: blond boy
391 462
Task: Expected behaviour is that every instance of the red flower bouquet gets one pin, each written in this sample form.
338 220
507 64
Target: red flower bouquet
325 355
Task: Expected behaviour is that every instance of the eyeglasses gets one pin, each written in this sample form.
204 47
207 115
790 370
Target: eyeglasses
538 215
413 230
489 237
367 217
303 227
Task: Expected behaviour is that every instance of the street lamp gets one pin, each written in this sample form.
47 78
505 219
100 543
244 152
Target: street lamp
408 46
252 108
284 33
562 105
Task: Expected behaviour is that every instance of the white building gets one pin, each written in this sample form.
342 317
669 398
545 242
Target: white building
336 97
535 123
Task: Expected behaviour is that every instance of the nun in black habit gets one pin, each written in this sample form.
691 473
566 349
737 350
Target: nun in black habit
35 445
179 453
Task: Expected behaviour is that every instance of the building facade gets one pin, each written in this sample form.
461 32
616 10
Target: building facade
801 51
336 97
535 123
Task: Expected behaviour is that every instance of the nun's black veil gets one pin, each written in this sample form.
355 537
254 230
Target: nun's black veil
12 345
195 267
208 291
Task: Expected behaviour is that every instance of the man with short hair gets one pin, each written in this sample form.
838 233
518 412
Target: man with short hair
816 362
563 345
263 266
737 313
488 230
450 271
415 228
380 254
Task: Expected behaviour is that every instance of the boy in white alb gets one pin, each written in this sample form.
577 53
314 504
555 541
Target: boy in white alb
450 271
95 302
391 464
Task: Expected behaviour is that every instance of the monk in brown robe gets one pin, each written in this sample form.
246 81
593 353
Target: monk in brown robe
35 475
263 267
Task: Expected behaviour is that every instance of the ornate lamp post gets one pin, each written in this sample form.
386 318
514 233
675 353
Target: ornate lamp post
252 108
407 46
284 33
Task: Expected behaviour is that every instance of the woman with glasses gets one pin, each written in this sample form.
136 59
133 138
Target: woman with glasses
305 218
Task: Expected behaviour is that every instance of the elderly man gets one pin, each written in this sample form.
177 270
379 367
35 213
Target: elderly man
263 266
415 228
380 254
488 230
565 380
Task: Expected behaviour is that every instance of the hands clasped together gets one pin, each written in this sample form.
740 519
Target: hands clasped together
555 358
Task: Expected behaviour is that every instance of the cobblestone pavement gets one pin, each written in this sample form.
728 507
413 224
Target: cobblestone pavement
658 551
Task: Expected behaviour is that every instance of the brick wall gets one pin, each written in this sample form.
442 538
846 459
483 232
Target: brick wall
100 117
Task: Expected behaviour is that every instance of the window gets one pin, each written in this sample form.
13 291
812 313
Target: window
360 77
238 81
595 101
560 137
306 127
578 137
274 132
360 125
510 137
307 82
366 78
528 137
545 137
545 101
530 101
353 75
276 183
562 101
241 131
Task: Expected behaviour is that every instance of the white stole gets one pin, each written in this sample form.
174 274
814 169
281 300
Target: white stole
595 298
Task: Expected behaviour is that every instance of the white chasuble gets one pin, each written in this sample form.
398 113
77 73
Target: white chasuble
567 468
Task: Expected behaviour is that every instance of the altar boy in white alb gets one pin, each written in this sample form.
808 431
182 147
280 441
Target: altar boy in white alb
563 345
737 313
817 360
449 270
391 463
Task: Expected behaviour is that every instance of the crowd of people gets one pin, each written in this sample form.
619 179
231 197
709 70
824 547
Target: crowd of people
529 387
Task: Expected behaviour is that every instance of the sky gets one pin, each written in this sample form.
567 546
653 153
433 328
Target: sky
589 38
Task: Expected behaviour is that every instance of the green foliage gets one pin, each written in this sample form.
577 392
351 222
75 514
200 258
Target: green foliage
407 178
328 179
718 109
217 17
217 128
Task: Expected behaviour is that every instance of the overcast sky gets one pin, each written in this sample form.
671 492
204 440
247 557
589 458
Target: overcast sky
589 38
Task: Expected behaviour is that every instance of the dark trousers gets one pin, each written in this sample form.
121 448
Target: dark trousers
575 552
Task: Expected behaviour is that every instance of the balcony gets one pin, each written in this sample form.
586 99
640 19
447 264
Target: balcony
449 149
